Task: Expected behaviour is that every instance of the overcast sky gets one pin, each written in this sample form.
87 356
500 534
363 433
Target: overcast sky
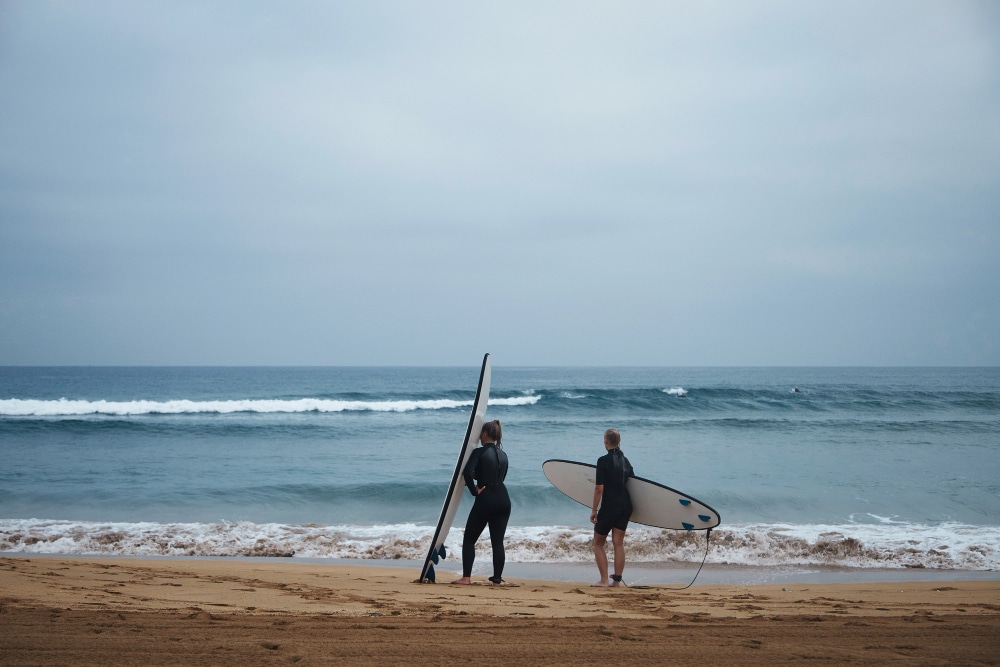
557 183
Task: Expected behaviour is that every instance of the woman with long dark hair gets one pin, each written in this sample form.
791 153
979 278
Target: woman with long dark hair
484 475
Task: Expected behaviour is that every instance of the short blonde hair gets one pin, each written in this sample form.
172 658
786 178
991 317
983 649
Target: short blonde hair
613 436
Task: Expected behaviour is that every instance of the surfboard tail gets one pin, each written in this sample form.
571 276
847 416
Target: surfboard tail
435 558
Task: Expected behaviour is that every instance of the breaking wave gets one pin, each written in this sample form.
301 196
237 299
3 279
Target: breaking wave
17 407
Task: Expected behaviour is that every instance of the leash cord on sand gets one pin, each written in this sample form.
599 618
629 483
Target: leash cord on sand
708 538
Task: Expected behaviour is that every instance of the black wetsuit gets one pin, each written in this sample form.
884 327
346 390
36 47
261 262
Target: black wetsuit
613 470
488 466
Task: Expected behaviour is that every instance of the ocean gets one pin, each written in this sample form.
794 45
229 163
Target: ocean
868 468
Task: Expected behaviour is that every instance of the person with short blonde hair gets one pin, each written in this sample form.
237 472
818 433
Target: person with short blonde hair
612 507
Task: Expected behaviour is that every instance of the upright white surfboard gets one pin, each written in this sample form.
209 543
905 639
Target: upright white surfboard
652 504
457 486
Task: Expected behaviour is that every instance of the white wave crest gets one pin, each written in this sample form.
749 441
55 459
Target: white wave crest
16 407
63 407
680 392
515 400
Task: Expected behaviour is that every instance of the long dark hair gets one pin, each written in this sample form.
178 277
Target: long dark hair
493 430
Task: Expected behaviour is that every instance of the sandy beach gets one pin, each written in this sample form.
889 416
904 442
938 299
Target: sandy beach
56 610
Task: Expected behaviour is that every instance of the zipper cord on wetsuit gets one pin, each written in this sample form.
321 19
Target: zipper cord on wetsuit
618 463
708 538
496 452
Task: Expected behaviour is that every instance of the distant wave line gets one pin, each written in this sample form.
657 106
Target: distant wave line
16 407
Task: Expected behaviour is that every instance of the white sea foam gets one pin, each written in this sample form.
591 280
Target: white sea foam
680 392
16 407
946 546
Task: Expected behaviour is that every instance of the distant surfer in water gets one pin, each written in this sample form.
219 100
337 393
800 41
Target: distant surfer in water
611 496
484 475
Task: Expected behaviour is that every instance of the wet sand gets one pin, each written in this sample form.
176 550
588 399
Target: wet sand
56 610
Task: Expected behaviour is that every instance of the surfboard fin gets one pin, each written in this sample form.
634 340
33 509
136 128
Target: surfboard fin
687 526
684 501
704 518
438 554
430 575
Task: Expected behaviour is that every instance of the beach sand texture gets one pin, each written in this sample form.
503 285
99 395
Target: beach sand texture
57 610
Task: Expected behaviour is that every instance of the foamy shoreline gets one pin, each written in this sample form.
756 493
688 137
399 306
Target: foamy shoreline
804 547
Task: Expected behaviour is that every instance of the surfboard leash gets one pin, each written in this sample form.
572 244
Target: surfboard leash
708 539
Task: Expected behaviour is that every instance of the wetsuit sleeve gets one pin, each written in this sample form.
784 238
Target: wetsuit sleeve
470 471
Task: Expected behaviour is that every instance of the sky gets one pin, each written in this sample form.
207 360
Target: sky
559 183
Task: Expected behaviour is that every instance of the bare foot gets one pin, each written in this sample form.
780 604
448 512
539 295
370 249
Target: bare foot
463 580
603 583
615 584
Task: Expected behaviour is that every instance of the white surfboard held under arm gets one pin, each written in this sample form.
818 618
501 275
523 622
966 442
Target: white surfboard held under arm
653 504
